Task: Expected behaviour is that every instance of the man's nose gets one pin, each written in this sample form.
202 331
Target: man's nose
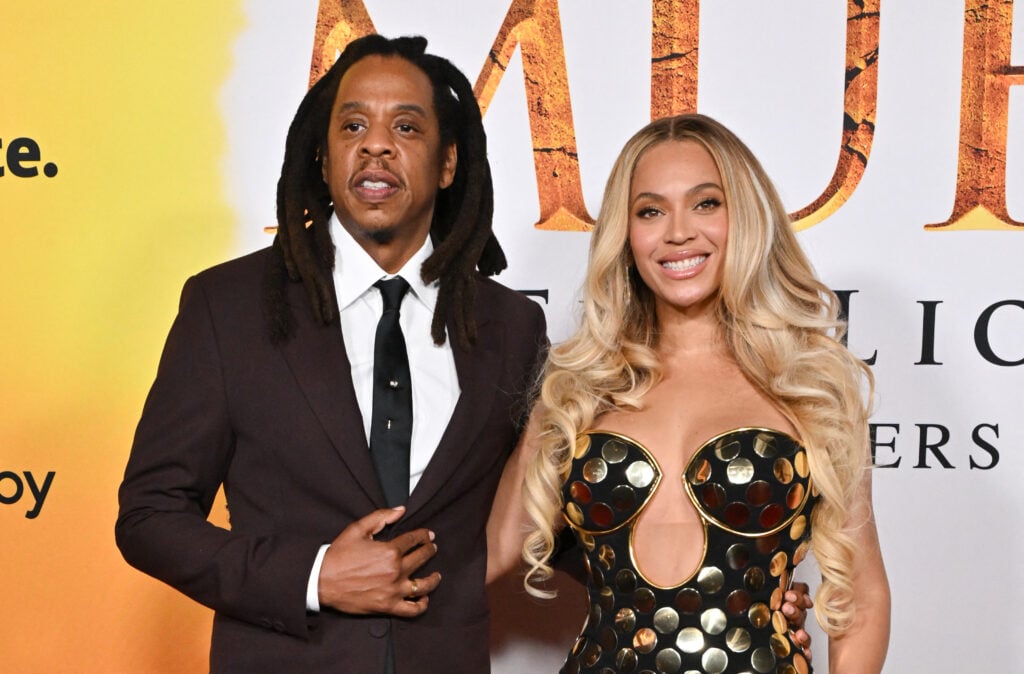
377 141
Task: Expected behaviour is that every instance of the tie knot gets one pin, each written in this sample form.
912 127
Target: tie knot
392 290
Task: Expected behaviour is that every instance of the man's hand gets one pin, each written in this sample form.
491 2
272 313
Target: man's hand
796 602
360 575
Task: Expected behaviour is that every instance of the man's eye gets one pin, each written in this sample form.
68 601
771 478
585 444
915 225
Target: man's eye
352 127
406 128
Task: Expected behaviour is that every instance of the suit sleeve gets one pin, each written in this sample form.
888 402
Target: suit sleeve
180 456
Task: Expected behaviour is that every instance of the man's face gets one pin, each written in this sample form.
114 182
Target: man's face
384 162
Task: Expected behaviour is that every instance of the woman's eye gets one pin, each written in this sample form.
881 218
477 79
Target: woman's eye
647 212
708 204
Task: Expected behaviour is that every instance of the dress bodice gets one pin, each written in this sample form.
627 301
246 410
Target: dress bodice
751 489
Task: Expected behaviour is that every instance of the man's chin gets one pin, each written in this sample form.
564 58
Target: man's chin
381 235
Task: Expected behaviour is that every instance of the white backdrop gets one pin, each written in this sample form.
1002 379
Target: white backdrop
774 73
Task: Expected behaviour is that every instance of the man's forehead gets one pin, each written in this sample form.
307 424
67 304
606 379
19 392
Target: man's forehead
373 79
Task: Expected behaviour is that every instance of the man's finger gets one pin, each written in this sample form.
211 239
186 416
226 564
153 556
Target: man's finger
421 587
372 524
412 539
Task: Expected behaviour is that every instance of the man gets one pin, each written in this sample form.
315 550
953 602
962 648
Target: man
266 386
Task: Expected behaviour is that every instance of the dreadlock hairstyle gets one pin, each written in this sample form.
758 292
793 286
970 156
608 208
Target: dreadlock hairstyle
461 225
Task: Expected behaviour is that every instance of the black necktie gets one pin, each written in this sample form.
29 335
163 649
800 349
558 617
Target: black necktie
391 423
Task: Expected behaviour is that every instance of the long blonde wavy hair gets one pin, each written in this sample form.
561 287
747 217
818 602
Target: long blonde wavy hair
780 324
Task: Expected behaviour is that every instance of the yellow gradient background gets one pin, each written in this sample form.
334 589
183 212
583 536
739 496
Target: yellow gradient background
124 97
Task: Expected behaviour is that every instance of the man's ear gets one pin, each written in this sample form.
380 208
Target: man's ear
324 168
449 161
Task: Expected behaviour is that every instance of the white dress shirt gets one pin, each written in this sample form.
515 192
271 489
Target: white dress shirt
435 384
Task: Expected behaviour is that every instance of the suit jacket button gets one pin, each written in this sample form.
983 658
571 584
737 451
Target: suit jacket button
379 627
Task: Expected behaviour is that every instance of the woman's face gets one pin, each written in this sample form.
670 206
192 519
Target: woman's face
678 225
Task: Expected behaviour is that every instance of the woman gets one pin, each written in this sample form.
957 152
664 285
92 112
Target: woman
702 430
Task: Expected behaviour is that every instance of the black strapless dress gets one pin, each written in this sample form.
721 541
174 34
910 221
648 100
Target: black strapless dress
752 490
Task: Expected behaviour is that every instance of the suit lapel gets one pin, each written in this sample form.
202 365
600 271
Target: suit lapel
317 358
477 370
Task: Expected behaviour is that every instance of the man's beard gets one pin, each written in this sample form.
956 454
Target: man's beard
382 236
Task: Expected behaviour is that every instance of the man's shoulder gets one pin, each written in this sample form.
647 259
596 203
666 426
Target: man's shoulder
509 305
491 293
243 268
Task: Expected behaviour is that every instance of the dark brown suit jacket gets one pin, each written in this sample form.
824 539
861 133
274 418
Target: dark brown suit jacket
279 427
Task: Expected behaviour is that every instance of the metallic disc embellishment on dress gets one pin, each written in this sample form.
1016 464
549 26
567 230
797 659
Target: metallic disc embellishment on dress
770 516
608 639
594 616
614 451
780 645
737 515
737 602
710 579
764 446
740 471
625 620
778 563
573 512
801 664
786 668
714 661
758 493
795 496
644 600
668 661
582 447
713 621
780 625
606 555
783 470
713 496
666 620
601 514
699 472
754 578
580 492
690 640
588 541
606 599
640 474
591 654
645 640
727 450
775 602
624 498
759 615
596 573
801 552
595 470
798 528
737 639
738 556
625 660
762 659
800 462
688 600
625 580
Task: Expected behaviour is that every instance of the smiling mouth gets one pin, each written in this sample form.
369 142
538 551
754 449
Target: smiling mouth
683 265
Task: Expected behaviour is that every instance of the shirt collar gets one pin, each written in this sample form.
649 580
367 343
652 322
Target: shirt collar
355 271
